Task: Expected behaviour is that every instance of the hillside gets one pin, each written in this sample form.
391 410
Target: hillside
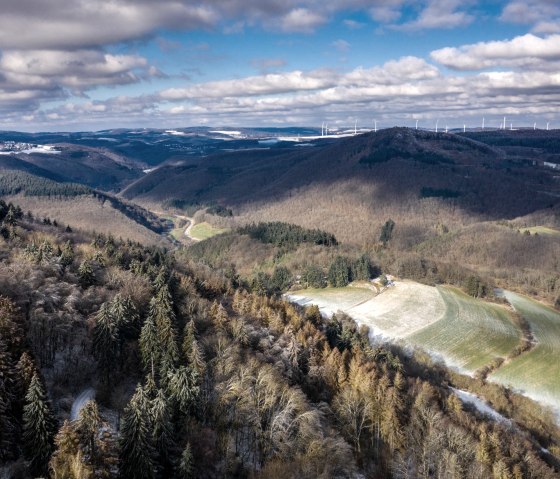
120 360
80 207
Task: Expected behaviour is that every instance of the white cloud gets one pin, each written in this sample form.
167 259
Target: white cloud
341 45
523 51
543 15
437 14
302 20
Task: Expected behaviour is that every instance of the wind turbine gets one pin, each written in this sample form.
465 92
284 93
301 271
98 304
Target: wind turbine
375 125
464 128
437 121
535 126
482 123
356 127
504 123
547 123
417 124
445 128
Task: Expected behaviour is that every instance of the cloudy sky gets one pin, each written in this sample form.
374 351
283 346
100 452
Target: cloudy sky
84 64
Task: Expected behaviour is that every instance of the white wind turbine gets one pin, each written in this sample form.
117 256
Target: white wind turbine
437 121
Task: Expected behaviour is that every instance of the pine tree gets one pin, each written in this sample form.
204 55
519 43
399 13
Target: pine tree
162 434
88 425
192 351
136 447
39 427
149 345
67 461
105 340
7 396
85 274
67 254
182 385
186 464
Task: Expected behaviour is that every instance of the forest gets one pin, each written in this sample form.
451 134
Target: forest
198 376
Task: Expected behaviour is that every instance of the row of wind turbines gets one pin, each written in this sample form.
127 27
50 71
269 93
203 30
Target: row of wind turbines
503 126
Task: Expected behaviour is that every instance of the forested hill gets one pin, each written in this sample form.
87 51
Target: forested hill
194 377
399 164
20 183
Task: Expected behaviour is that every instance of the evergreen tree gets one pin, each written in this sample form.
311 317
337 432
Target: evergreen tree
7 396
105 340
340 273
85 274
186 470
149 345
136 447
88 427
67 254
39 427
183 388
387 232
162 434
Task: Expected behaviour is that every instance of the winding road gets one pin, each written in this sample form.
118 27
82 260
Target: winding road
80 401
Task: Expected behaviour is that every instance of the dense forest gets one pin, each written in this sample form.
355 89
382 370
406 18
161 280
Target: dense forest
195 376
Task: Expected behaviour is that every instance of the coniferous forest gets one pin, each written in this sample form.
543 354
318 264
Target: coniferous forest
189 375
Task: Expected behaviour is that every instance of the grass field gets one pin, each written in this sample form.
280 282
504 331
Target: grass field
471 333
202 231
541 230
468 333
537 372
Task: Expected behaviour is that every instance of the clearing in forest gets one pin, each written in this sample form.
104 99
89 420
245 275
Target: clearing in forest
202 231
467 333
536 372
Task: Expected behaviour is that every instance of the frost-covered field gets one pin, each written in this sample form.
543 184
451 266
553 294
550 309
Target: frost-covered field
467 333
537 372
471 333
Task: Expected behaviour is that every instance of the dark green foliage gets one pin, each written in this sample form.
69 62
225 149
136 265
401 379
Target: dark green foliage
383 154
14 182
88 426
475 287
387 231
86 274
429 192
162 434
8 388
39 427
136 444
340 272
183 389
363 269
219 210
190 208
287 235
313 277
106 340
186 464
281 279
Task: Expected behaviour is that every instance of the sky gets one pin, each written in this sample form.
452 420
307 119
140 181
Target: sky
68 65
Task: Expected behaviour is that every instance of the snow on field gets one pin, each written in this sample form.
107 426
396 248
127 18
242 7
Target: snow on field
480 405
227 132
537 372
397 312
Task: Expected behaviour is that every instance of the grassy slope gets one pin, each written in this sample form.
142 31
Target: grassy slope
202 231
536 372
471 334
468 333
87 213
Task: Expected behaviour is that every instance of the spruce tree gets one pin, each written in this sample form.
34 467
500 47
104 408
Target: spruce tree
149 345
7 396
136 447
183 388
185 468
162 434
39 427
105 340
85 274
88 426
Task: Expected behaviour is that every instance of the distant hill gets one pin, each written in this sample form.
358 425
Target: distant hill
80 206
394 166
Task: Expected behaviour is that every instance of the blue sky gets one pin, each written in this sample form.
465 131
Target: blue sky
77 64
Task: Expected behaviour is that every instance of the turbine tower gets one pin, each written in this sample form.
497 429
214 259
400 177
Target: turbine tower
535 126
356 127
483 123
547 123
417 124
437 121
375 126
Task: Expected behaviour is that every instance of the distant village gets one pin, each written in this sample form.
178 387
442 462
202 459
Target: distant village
7 147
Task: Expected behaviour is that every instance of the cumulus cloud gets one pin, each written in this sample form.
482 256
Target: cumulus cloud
437 14
302 20
523 51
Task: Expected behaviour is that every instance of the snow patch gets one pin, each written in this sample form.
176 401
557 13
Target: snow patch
480 405
80 402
